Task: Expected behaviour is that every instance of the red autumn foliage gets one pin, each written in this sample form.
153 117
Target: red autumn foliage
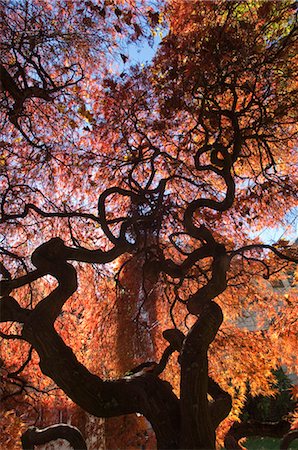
132 206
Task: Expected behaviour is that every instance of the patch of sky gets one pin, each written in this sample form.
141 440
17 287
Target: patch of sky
143 53
288 230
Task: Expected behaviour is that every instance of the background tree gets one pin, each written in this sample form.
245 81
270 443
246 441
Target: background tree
185 159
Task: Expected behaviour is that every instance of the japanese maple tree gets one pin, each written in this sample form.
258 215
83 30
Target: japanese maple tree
130 198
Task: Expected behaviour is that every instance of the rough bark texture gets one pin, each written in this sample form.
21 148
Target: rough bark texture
145 394
188 423
197 430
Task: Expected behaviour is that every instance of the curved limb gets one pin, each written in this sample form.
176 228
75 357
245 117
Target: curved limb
221 405
40 436
61 252
274 250
215 286
288 438
245 429
144 393
225 173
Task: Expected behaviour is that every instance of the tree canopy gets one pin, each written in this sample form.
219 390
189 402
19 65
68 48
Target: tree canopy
133 201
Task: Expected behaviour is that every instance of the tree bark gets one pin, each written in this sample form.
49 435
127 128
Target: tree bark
39 436
197 430
187 424
288 438
145 394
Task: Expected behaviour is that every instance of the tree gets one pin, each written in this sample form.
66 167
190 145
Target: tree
184 158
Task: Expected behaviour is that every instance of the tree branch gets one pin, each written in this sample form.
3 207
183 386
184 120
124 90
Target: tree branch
244 429
288 438
215 286
143 392
10 311
40 436
263 246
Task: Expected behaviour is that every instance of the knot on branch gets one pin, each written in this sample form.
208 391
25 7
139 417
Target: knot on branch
175 338
48 253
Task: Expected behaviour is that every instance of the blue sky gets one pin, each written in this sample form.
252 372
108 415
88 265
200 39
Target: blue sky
142 53
288 231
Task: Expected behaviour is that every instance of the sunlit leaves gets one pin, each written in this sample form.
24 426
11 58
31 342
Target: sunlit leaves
220 67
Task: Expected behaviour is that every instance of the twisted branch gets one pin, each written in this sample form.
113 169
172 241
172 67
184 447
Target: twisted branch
40 436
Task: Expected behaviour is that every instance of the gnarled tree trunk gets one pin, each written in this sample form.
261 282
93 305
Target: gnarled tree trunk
186 423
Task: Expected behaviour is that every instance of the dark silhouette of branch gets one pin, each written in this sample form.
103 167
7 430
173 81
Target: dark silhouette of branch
20 91
140 392
263 246
288 439
22 367
5 217
245 429
40 436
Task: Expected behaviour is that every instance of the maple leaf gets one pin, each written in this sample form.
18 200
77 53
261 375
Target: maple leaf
154 18
118 12
138 30
294 392
87 21
123 57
